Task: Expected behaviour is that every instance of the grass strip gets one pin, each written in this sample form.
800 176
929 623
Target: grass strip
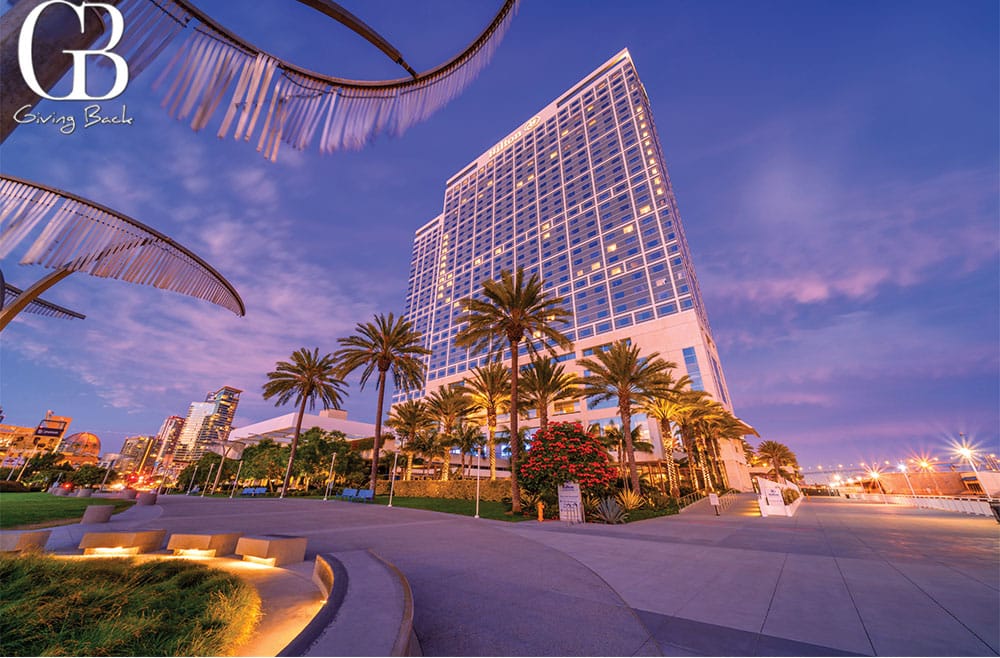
121 607
38 508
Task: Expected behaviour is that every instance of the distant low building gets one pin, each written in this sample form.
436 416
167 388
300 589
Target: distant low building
281 429
18 443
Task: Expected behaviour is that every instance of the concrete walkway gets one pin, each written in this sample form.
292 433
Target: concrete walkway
839 578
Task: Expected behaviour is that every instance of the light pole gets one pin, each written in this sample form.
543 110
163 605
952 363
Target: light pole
479 461
902 469
107 472
875 475
967 452
236 480
194 474
392 478
208 479
329 478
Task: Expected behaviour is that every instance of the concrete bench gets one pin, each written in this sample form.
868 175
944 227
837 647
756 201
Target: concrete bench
146 498
60 491
272 550
83 492
122 543
97 514
128 494
18 541
204 544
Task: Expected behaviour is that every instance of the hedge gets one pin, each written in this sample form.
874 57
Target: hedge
495 490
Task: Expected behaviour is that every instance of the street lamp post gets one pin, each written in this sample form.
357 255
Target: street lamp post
479 461
329 478
902 469
107 472
236 480
194 474
392 478
208 479
967 452
875 476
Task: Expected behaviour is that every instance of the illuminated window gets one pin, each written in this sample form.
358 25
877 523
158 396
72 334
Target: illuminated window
612 247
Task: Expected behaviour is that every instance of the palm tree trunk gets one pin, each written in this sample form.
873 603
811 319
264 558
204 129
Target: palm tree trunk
492 431
446 465
295 445
515 439
626 413
378 426
408 474
543 417
691 451
667 439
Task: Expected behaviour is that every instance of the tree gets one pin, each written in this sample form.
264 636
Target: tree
513 309
620 372
612 438
316 449
410 419
307 377
264 460
563 452
545 382
661 407
489 393
90 474
778 455
388 343
448 406
468 437
431 444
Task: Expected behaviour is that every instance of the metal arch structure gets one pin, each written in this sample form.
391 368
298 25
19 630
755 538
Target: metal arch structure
79 235
273 101
38 306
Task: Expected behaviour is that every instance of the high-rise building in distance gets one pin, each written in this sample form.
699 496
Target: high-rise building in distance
166 439
579 194
207 422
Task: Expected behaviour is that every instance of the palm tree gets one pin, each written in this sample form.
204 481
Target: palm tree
661 407
306 378
409 419
620 372
513 310
613 439
489 392
430 444
778 455
545 382
448 406
389 343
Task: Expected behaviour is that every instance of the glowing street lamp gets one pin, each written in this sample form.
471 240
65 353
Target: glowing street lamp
874 475
966 452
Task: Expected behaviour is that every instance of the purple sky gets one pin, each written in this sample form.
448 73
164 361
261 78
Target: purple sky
836 165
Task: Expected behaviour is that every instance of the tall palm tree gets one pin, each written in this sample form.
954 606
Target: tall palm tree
409 419
514 309
468 437
613 439
307 377
431 444
778 455
448 406
545 382
685 411
620 372
661 407
489 392
388 343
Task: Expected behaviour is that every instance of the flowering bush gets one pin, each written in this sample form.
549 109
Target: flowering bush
566 453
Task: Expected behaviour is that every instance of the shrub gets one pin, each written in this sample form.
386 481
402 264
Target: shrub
609 511
630 500
564 452
9 486
659 500
789 495
492 490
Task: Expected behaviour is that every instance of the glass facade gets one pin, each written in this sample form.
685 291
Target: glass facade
580 195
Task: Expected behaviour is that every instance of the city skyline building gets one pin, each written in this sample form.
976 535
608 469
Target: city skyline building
137 455
167 437
207 422
580 195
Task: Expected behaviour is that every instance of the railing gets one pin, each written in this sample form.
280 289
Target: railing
961 504
727 499
689 499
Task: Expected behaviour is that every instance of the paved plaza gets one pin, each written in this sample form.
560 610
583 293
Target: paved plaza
840 578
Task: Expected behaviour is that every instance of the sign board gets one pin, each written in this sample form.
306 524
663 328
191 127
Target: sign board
49 431
713 499
772 494
570 502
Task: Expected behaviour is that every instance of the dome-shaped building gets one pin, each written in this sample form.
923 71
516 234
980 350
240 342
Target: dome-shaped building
81 448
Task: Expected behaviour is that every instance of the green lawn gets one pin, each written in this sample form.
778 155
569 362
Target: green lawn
17 509
487 509
121 607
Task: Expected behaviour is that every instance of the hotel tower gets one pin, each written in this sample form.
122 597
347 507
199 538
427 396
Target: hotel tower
579 194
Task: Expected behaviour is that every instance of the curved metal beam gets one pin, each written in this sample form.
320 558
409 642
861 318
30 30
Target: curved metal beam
30 295
83 236
40 306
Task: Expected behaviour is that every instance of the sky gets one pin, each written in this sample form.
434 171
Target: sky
836 166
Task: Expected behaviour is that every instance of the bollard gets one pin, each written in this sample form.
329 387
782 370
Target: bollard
541 508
